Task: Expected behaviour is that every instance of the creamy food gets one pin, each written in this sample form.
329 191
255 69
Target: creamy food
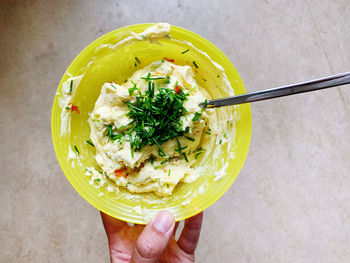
155 167
215 129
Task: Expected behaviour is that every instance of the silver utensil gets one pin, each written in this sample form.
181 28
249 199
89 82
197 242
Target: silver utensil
317 84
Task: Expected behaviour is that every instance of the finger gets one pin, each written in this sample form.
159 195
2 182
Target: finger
111 224
190 234
154 238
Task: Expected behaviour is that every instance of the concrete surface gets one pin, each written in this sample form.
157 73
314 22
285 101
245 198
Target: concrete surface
291 202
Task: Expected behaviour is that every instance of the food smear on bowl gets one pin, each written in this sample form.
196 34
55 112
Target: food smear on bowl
148 132
68 91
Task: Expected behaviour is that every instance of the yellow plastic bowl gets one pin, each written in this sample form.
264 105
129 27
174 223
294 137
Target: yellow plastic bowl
100 65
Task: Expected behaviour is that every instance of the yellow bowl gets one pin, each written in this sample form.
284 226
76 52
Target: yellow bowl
100 63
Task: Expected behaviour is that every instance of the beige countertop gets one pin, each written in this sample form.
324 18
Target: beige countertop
291 201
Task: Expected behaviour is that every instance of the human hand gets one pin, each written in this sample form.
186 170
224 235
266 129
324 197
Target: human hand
154 242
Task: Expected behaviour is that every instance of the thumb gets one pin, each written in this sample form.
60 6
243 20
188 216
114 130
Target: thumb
154 238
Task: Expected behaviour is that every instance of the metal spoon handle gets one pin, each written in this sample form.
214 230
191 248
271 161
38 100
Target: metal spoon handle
317 84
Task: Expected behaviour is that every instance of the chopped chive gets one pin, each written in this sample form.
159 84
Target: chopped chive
169 173
135 64
163 60
155 117
71 86
207 132
204 105
199 151
220 141
204 79
196 116
163 162
131 90
137 60
97 179
67 108
76 149
167 80
160 148
195 64
183 52
89 142
184 154
152 158
113 86
189 138
225 135
97 120
167 185
176 83
152 78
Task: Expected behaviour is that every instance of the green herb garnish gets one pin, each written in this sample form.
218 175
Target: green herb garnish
89 142
189 138
76 149
148 78
114 87
184 154
196 116
67 108
167 80
137 60
208 131
131 90
155 117
114 136
220 141
152 158
163 162
183 52
195 64
199 151
71 86
204 105
97 120
97 179
169 172
167 185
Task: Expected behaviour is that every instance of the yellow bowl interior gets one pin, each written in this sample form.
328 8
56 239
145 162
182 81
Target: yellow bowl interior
100 65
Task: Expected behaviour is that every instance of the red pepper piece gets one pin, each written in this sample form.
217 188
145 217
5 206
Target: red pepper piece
74 108
120 173
177 89
169 59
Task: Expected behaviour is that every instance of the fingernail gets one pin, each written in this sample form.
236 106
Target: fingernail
163 222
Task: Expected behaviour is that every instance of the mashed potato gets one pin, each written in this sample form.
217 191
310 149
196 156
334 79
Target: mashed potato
153 168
